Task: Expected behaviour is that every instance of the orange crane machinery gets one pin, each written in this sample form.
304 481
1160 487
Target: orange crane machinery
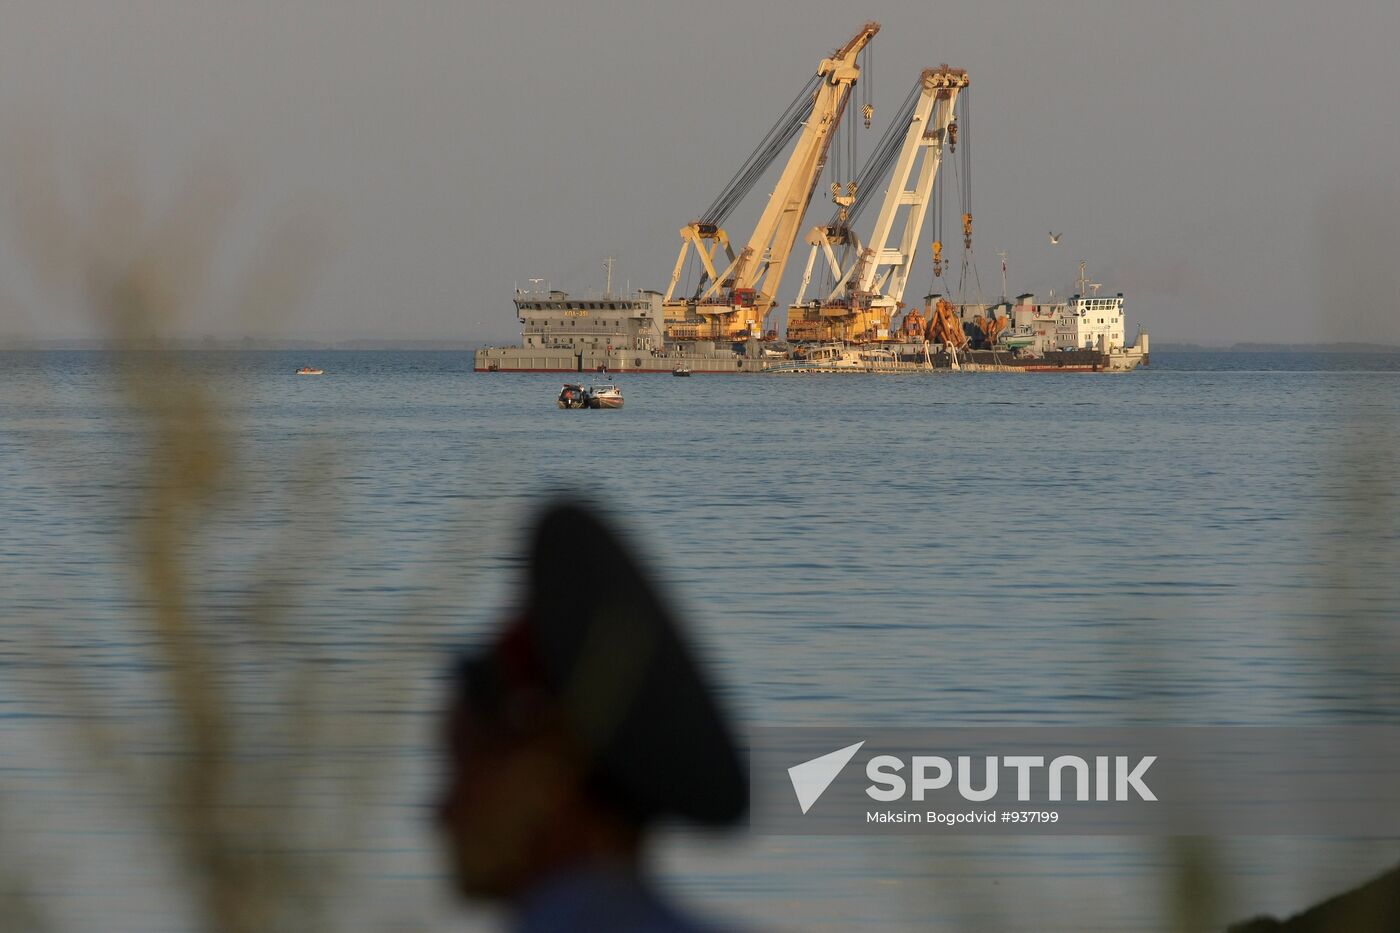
870 288
913 327
944 326
733 301
989 328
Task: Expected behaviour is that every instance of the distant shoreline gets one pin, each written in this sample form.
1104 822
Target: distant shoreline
465 346
252 346
1340 347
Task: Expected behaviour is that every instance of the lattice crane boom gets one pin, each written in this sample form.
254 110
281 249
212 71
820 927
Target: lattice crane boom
736 298
870 288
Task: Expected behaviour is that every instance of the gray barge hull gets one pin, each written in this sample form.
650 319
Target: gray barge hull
542 360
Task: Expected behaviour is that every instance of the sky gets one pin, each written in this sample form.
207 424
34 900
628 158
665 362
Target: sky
1232 167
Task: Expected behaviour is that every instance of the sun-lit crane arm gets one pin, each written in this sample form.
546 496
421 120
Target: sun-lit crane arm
885 268
758 271
869 289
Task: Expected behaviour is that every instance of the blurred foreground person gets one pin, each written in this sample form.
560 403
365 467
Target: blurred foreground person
584 723
1372 908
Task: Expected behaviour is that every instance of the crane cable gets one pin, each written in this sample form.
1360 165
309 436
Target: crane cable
937 223
962 170
966 99
844 162
868 107
851 162
880 159
768 148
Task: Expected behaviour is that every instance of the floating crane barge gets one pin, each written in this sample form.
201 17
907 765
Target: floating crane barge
720 325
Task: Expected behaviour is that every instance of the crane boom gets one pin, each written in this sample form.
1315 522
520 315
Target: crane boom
871 288
762 262
738 297
927 147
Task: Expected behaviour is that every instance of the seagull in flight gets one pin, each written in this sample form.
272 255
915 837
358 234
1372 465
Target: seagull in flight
1055 237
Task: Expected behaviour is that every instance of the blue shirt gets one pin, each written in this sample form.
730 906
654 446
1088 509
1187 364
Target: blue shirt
606 898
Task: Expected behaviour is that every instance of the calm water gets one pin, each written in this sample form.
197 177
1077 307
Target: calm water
1211 541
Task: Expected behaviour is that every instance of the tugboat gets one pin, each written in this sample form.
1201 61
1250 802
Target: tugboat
309 371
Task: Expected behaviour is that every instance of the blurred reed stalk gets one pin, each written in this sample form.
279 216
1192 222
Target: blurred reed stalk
246 794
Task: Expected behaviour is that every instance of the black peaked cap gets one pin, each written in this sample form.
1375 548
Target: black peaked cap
630 689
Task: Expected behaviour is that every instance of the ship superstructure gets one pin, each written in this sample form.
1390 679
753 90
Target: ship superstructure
606 333
557 322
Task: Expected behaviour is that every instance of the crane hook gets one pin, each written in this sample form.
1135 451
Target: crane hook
868 111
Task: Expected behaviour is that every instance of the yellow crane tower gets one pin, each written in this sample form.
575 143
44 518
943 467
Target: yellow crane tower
870 289
733 302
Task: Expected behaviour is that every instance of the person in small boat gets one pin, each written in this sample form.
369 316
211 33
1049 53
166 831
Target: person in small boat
584 722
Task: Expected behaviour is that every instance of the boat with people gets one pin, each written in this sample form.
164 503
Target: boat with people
681 371
310 371
573 395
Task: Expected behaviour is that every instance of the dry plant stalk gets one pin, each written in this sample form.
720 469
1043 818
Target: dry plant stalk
242 800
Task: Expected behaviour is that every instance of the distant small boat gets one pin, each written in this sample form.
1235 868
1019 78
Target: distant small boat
308 371
573 395
604 396
681 371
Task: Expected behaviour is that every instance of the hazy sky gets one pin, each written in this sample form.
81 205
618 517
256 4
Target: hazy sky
1234 168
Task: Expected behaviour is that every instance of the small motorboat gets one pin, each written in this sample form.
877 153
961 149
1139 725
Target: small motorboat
681 371
604 396
573 396
310 371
